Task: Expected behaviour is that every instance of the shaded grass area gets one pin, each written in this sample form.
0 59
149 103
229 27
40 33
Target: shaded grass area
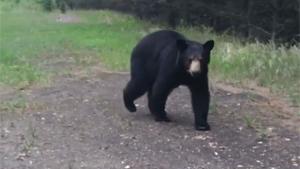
27 33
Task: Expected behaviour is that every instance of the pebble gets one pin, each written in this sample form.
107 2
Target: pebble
21 156
6 130
200 137
213 144
260 142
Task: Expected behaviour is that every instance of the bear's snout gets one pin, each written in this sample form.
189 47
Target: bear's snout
195 67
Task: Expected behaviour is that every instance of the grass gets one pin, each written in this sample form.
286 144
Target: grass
28 33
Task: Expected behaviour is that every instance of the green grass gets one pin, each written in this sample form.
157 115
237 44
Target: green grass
28 34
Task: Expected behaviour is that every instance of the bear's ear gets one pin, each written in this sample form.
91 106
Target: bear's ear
181 44
209 45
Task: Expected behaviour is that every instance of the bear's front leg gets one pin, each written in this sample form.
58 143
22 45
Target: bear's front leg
200 104
157 100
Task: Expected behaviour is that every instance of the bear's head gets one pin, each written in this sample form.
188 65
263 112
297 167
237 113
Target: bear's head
195 56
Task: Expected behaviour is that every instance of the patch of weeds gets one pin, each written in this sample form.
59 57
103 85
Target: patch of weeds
85 58
250 122
29 139
213 107
262 132
17 105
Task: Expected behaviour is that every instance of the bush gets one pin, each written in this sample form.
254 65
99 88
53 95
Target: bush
276 20
47 5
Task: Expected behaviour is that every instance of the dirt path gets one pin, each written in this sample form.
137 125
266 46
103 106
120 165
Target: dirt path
80 122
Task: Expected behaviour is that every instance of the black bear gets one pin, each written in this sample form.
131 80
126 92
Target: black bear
162 61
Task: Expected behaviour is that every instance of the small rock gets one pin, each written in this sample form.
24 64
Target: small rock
200 137
261 163
213 144
6 131
127 166
287 139
239 166
21 156
222 148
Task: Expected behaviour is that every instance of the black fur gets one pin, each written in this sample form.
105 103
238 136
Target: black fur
159 64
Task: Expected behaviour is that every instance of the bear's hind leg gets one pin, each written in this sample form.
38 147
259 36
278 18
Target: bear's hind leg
133 90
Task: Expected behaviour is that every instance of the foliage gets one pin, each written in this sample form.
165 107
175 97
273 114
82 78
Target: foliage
275 20
47 4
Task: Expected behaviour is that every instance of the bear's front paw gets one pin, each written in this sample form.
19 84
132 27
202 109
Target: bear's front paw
162 119
203 127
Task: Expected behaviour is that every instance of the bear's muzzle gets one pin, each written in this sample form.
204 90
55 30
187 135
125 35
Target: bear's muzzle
195 67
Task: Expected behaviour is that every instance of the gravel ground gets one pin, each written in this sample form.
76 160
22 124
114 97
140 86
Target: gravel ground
79 122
